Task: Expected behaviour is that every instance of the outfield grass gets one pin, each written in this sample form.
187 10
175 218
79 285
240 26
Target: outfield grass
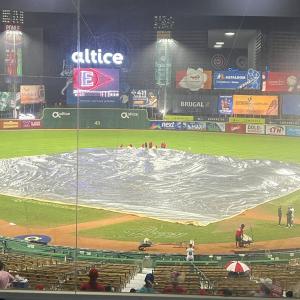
33 142
46 214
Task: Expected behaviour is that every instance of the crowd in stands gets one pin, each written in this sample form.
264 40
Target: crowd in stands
265 280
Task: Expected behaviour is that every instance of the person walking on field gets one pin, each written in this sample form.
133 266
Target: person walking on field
239 236
279 215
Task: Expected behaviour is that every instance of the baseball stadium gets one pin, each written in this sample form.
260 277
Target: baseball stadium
149 147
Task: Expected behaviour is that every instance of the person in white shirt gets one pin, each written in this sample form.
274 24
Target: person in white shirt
190 253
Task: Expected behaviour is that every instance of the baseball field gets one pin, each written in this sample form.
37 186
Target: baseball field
103 229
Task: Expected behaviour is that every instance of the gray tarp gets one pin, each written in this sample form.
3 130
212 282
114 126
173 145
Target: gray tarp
160 183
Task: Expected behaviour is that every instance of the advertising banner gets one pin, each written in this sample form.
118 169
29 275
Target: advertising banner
284 122
247 120
281 81
9 124
96 82
255 105
292 131
211 119
30 124
31 94
168 125
235 128
255 129
194 79
225 105
275 129
290 105
237 80
143 98
194 104
95 118
178 118
215 126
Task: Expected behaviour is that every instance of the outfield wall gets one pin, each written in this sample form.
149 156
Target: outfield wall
109 118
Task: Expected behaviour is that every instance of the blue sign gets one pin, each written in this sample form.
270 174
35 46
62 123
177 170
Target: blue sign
173 125
225 105
292 131
237 80
291 105
35 238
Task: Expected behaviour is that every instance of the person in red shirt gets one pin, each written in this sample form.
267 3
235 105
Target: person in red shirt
174 287
239 236
92 284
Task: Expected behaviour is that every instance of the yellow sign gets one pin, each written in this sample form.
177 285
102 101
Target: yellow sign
247 120
178 118
255 105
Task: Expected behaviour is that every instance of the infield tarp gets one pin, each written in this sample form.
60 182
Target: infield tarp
164 184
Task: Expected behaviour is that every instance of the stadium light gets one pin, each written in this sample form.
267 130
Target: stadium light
229 34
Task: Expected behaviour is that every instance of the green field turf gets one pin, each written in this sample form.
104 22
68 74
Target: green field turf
33 213
34 142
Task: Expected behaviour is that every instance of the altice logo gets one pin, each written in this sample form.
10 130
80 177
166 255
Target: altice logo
97 57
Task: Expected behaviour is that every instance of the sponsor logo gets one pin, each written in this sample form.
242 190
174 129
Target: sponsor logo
276 129
128 115
256 129
97 57
59 115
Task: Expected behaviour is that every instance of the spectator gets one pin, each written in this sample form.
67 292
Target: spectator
149 283
5 278
174 287
279 215
92 284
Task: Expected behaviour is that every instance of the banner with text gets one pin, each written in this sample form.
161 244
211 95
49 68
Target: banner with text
194 104
143 98
290 105
281 81
235 128
237 80
247 120
194 79
168 125
275 129
32 94
255 129
255 105
292 131
215 126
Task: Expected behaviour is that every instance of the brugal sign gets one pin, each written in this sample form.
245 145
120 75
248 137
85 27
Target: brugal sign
97 57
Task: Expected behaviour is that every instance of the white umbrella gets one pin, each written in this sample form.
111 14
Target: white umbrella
237 267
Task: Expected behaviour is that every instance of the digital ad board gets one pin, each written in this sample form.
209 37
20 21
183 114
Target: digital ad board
225 104
237 80
290 105
143 98
95 87
255 105
194 79
281 82
193 104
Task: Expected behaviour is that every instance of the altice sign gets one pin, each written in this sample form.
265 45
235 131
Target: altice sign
97 57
